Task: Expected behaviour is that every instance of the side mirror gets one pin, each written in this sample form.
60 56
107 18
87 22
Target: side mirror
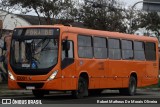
65 45
2 44
2 58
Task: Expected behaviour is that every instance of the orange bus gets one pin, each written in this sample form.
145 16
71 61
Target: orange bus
82 61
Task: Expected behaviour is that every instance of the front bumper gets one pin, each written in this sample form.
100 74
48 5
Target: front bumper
42 85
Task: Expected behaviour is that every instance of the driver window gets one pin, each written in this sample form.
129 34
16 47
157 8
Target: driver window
68 53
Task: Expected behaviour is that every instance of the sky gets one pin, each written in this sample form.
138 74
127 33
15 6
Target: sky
130 3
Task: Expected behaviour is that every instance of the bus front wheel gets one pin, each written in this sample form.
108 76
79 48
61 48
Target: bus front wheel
82 89
131 90
38 93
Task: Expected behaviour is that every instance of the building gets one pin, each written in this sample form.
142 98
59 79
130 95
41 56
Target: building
8 21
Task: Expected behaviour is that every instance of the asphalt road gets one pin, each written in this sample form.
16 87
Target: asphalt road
66 98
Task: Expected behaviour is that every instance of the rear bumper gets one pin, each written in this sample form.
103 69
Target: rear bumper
146 81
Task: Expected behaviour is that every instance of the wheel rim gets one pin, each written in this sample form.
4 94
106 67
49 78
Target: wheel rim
132 87
81 87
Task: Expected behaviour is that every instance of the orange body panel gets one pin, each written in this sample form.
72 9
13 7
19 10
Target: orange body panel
103 73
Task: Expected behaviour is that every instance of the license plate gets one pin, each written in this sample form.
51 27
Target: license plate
26 65
30 87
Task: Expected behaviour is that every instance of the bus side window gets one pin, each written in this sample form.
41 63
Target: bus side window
150 51
127 49
85 49
114 49
67 55
100 47
139 53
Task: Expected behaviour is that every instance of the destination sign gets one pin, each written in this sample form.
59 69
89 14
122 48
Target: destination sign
36 32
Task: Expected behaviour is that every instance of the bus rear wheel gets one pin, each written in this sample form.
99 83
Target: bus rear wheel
38 93
82 89
131 90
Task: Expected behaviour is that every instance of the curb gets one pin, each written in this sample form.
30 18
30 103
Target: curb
150 89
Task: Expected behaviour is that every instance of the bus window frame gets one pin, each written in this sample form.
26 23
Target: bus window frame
100 47
85 46
132 49
119 46
155 51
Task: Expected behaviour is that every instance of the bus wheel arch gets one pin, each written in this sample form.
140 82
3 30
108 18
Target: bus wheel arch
132 85
82 86
85 76
134 74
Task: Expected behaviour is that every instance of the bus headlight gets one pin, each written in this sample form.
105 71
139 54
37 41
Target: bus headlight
53 75
11 75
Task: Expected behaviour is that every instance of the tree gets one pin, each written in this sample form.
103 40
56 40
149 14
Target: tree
134 18
150 21
50 9
105 17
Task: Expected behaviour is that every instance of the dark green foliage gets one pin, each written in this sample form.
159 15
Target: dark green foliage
96 16
103 18
150 21
48 8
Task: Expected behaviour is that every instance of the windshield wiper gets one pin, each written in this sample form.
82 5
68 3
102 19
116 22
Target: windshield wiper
42 41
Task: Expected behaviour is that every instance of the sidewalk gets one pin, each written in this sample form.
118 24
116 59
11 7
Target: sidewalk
4 91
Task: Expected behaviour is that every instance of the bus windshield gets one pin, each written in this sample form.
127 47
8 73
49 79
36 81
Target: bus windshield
32 51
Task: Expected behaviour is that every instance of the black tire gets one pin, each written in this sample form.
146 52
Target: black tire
82 90
38 93
132 86
131 90
95 91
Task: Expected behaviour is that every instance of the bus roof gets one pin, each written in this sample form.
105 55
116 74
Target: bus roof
101 33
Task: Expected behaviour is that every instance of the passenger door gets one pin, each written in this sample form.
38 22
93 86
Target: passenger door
68 66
